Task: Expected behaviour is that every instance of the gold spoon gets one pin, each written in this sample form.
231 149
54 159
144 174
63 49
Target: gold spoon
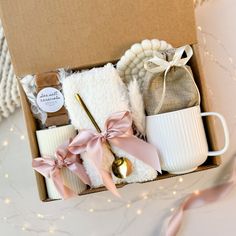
121 166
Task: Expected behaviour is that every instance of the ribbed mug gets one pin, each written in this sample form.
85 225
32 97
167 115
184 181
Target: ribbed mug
180 139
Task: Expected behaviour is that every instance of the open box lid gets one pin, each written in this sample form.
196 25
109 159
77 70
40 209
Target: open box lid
46 35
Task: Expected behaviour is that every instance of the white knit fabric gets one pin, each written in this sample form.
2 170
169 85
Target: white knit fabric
9 95
104 93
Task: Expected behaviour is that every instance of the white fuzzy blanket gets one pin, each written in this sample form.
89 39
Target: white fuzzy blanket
9 95
104 93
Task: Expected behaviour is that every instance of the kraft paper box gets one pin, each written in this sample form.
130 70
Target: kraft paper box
46 35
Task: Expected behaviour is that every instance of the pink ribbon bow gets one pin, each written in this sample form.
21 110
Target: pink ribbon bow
118 132
199 199
51 168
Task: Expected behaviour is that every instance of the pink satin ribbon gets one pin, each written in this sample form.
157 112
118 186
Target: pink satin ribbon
51 168
117 132
198 199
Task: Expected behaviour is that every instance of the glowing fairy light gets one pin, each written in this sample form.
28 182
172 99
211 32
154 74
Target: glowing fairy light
7 200
51 231
40 216
181 179
5 143
199 28
139 212
25 227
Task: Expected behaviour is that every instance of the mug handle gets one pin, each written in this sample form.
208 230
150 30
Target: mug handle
226 133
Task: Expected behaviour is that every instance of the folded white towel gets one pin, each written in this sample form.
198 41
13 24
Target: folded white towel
103 93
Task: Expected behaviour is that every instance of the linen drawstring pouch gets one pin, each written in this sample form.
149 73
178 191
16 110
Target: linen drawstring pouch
170 85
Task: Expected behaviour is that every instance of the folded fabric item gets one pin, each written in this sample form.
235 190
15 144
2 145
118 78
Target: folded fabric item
48 141
170 86
104 94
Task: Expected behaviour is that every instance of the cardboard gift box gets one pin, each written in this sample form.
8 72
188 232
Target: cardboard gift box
46 35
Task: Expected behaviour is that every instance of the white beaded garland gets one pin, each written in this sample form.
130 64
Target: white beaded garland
155 44
132 63
136 48
146 45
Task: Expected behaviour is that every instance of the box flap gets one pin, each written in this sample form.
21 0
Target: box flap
45 35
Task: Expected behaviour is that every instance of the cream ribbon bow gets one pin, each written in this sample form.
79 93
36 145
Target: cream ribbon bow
158 65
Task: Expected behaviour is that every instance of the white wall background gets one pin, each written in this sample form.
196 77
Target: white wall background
145 206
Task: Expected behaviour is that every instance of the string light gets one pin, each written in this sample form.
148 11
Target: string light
212 57
197 192
5 143
22 137
91 210
128 205
174 192
199 28
6 176
62 217
109 200
25 227
139 212
145 197
40 216
51 230
7 200
181 179
172 209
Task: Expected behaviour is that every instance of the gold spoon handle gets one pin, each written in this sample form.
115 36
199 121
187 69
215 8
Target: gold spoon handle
121 166
80 100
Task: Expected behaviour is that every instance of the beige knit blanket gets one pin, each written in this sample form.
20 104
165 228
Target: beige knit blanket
9 95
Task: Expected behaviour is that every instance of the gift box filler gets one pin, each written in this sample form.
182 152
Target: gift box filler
46 35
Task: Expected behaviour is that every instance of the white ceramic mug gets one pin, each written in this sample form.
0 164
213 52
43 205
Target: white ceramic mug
180 139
